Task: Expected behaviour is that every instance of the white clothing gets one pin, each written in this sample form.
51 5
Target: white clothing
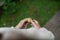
41 33
34 33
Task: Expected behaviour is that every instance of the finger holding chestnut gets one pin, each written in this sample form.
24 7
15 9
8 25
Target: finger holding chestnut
35 24
21 24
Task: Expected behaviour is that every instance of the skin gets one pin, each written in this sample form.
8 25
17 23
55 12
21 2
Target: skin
23 24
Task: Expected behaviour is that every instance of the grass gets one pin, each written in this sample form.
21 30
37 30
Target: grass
41 10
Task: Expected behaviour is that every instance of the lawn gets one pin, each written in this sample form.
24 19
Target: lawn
41 10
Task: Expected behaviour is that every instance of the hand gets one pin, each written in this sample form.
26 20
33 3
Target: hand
35 23
22 24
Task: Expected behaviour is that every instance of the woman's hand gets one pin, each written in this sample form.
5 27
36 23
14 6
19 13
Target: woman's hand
22 24
35 23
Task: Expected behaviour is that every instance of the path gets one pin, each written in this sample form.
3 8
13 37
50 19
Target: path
54 25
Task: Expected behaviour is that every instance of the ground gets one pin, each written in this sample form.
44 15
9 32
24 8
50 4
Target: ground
41 10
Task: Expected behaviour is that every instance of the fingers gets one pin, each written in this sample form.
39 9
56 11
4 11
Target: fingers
32 23
21 24
35 21
35 24
24 20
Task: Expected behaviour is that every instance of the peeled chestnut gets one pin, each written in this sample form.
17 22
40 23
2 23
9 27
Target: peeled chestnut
29 20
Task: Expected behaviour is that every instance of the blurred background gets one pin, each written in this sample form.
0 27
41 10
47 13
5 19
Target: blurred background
12 11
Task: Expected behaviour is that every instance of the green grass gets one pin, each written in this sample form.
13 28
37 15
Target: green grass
41 10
